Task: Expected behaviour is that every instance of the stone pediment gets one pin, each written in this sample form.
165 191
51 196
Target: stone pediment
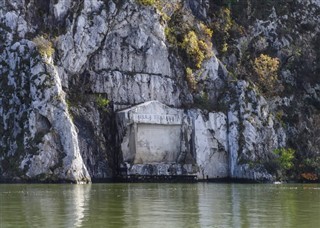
152 112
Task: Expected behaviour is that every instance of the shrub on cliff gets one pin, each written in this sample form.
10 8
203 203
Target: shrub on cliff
44 46
196 45
222 26
284 161
266 69
285 158
192 83
196 50
190 39
102 102
147 2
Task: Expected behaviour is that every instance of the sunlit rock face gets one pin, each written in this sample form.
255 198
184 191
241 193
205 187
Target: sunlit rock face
109 72
38 138
210 144
252 134
52 125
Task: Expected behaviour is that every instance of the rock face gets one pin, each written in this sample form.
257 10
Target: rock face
89 86
38 136
252 133
210 144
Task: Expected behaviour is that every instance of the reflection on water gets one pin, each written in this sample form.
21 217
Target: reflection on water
160 205
172 206
77 205
43 205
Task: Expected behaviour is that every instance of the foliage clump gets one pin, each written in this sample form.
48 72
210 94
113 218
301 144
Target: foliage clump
202 101
285 158
147 2
164 8
102 102
222 27
185 35
284 161
190 39
192 83
266 69
196 49
44 46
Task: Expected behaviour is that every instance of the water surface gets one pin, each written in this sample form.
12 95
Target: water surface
160 205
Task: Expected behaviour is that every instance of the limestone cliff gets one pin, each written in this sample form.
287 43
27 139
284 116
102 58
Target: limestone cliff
243 76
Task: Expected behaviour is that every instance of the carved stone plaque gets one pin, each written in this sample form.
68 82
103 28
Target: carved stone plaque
153 133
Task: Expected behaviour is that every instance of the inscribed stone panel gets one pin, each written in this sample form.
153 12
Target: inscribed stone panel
157 143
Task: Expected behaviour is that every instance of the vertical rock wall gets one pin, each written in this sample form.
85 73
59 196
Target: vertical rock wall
39 139
58 106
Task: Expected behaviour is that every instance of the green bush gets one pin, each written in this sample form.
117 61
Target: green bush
191 40
281 163
102 102
285 158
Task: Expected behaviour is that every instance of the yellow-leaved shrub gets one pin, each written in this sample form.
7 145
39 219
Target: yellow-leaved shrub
44 46
266 69
196 49
192 83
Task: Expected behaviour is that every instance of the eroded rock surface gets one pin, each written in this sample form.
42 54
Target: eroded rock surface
99 60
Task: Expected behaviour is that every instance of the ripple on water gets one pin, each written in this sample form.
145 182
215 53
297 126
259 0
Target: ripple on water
160 205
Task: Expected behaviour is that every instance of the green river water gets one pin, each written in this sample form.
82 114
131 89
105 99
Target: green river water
160 205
